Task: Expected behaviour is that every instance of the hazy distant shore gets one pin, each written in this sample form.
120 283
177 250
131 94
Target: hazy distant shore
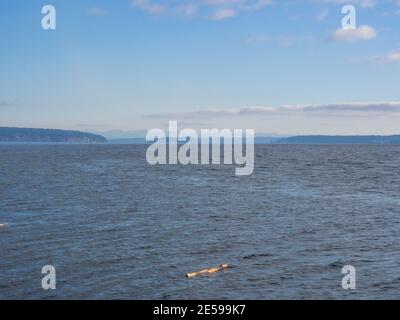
317 139
29 135
8 135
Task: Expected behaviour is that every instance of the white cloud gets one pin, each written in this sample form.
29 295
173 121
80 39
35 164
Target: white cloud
256 5
282 40
97 12
221 14
208 7
187 9
222 2
391 57
351 35
213 9
148 6
322 15
367 3
362 3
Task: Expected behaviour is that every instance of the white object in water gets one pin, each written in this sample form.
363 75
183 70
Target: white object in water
208 271
2 225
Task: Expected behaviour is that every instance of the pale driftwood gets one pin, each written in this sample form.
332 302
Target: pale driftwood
208 271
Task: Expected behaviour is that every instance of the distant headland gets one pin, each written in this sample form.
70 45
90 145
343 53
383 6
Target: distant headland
48 135
394 139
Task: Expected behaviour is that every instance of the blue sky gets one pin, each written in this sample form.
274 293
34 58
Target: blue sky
279 67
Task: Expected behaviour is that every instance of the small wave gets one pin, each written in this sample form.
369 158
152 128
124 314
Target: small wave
335 265
257 255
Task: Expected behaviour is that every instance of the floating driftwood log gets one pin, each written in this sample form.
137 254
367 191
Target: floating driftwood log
208 271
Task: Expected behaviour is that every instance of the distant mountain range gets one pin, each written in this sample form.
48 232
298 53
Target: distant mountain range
48 135
69 136
395 139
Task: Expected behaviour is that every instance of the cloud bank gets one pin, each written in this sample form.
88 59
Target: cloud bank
224 9
391 57
342 118
351 35
213 9
343 109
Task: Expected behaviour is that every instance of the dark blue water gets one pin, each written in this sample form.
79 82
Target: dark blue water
116 228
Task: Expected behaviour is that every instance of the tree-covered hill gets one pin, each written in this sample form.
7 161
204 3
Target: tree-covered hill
48 135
